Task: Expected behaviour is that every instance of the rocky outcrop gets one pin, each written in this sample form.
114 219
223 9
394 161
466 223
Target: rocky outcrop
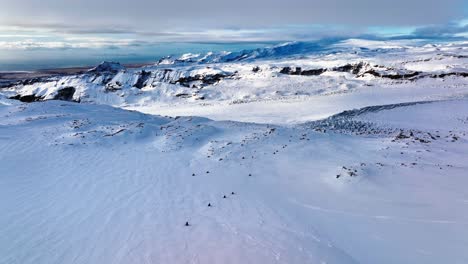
313 72
395 76
200 80
142 79
442 75
183 95
288 70
351 68
66 94
27 98
361 69
299 71
113 86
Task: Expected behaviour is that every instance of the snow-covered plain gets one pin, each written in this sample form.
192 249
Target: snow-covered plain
91 182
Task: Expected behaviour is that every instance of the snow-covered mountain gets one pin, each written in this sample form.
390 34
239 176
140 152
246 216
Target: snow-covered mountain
277 51
351 152
283 73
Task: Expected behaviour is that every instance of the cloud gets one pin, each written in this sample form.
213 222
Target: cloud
65 28
226 21
114 24
31 44
119 16
441 31
72 37
267 34
83 43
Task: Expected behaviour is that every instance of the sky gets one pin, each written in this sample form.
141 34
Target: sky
51 29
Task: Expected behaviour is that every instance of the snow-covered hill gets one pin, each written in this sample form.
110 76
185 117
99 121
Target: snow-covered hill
94 184
353 152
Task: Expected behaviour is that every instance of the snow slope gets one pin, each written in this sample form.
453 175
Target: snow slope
336 152
94 184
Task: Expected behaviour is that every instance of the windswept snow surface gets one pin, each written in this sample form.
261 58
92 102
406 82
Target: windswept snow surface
94 184
350 152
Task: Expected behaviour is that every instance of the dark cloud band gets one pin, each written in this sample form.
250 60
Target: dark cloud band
161 15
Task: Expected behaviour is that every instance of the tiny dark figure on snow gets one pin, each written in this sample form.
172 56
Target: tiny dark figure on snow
224 197
209 204
187 224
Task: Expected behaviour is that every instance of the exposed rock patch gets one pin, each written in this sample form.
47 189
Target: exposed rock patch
396 76
27 98
351 68
142 79
65 94
362 69
200 81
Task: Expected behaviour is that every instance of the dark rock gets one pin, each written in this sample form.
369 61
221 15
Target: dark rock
289 71
442 75
286 70
142 79
27 98
352 68
183 95
401 136
313 72
299 71
392 76
204 80
112 87
65 94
